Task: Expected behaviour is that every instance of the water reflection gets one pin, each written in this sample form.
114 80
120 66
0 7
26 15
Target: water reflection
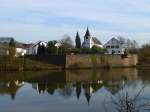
67 82
90 86
10 88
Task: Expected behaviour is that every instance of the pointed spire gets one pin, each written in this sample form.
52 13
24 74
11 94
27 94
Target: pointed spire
87 34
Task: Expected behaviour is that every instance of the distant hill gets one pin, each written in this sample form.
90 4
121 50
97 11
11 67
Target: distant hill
4 42
5 39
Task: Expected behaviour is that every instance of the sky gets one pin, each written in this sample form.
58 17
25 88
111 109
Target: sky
33 20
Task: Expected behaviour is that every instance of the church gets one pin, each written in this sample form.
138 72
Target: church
90 41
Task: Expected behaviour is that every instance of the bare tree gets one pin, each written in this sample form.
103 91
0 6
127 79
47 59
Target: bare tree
125 103
130 44
67 42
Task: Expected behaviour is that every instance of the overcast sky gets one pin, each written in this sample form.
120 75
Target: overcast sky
33 20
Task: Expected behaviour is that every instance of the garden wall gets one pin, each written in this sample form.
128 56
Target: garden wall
95 61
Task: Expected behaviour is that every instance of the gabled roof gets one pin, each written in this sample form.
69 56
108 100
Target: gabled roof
96 41
23 46
37 43
114 40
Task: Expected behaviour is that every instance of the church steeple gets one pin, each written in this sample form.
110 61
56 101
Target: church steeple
87 39
87 34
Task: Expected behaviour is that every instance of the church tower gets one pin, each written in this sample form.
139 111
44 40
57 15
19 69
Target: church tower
87 39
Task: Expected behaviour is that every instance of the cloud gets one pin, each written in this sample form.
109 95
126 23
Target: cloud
28 19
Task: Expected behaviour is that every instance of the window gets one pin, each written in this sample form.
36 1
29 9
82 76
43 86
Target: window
112 46
107 46
117 46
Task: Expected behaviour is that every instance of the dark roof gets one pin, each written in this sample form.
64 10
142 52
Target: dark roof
3 45
87 34
96 41
22 45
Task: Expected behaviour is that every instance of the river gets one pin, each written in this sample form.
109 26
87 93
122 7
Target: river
72 91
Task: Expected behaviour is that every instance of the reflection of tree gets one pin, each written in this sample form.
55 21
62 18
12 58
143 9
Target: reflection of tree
41 87
88 90
114 86
51 88
96 86
67 90
78 90
10 88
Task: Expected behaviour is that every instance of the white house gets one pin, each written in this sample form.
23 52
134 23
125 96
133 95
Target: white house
114 46
20 51
90 41
33 49
58 45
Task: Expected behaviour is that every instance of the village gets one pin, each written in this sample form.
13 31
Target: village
91 44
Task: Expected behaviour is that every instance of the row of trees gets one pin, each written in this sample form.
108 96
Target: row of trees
66 44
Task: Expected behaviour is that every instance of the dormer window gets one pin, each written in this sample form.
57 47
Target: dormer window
86 37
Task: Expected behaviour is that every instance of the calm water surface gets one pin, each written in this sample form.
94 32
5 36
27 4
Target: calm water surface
69 91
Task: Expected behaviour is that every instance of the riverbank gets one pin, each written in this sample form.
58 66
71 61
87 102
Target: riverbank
24 64
55 62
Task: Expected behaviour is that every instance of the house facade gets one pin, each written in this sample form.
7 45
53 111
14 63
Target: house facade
20 51
33 49
90 41
4 50
114 46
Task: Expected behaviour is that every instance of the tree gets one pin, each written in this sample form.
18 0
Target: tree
52 49
78 41
144 54
130 44
66 44
12 48
41 49
96 49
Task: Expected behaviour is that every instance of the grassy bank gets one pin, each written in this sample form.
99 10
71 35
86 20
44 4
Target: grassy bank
24 64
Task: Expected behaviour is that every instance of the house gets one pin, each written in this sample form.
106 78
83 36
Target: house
4 47
90 41
21 49
58 45
3 50
33 48
115 46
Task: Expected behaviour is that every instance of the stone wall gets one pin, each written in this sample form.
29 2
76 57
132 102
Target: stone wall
93 61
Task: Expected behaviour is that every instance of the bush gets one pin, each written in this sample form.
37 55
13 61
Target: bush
86 50
98 50
144 54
